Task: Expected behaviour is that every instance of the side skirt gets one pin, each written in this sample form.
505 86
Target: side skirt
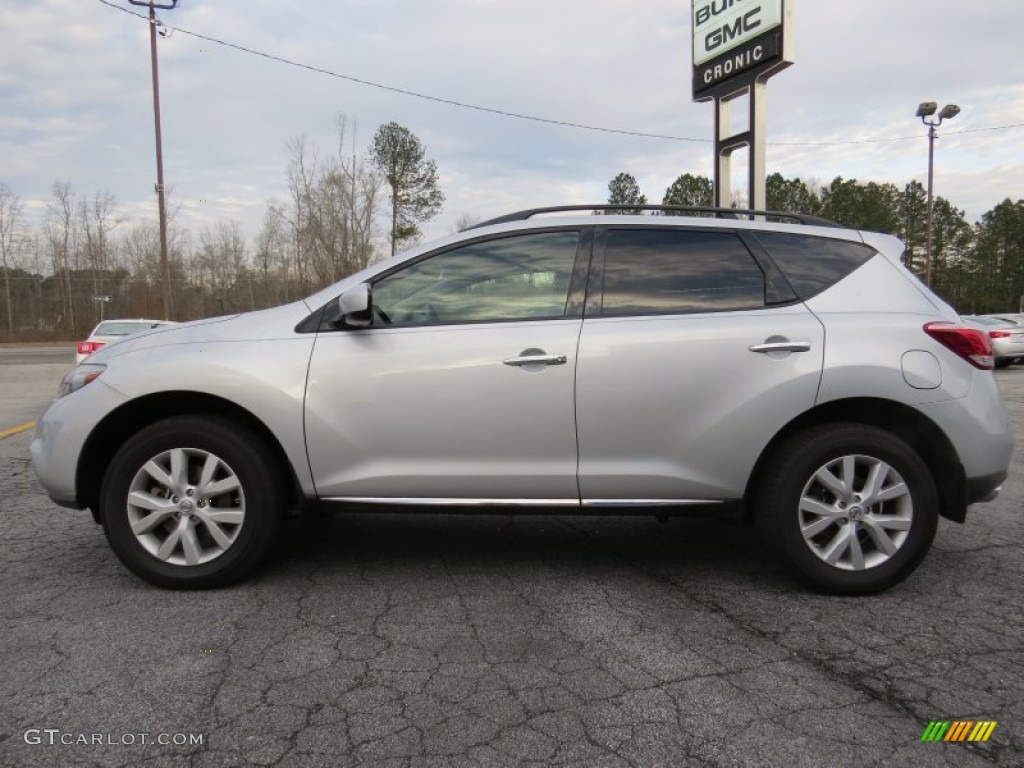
718 508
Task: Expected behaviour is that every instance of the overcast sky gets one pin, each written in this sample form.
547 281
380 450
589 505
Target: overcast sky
76 98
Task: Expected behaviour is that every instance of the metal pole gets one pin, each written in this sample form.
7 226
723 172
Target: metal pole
756 196
165 270
723 157
928 240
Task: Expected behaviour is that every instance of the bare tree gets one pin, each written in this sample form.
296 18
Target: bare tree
465 221
333 204
10 226
224 261
62 235
97 220
273 254
35 260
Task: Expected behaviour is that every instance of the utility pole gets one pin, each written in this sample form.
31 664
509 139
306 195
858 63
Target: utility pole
165 268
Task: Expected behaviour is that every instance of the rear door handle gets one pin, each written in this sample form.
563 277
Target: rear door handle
781 346
536 360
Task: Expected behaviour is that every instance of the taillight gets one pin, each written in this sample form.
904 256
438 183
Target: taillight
971 344
88 347
998 334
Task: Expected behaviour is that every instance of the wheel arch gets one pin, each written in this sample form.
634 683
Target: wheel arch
909 424
123 422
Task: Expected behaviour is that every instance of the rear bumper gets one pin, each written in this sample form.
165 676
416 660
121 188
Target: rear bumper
978 427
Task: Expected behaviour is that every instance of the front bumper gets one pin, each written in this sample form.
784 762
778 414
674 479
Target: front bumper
61 433
982 489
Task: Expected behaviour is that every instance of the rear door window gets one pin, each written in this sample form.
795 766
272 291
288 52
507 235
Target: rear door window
652 271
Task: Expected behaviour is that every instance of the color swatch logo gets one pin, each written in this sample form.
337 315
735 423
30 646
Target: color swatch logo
958 730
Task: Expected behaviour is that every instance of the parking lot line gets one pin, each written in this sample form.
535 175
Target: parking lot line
15 430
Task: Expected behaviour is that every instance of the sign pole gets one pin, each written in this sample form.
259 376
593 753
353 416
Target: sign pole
757 193
723 156
102 301
736 48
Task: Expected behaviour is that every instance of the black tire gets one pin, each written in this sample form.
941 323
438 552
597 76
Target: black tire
242 456
1003 363
793 470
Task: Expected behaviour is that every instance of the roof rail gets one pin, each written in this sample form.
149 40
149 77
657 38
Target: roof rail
718 213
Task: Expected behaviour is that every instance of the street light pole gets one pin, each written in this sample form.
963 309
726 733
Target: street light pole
925 110
931 206
165 269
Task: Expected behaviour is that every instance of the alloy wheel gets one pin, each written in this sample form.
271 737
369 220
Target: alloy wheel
855 512
186 506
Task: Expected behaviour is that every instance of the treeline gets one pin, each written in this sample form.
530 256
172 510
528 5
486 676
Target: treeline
53 273
344 211
978 267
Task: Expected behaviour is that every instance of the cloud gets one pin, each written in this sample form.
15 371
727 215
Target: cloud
75 82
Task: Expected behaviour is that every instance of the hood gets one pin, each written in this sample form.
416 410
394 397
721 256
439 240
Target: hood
264 324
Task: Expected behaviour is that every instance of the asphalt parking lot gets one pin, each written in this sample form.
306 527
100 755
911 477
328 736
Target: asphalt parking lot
28 380
397 640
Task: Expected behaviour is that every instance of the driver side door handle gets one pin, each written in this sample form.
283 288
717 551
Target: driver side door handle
540 359
781 346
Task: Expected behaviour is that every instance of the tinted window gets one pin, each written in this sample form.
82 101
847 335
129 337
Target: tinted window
812 264
659 271
512 278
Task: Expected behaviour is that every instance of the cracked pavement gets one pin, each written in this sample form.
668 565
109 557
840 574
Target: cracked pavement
457 640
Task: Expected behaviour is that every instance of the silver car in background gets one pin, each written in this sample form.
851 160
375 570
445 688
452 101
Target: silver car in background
780 369
1006 335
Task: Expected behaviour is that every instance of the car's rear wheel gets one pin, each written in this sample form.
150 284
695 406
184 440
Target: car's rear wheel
852 509
192 503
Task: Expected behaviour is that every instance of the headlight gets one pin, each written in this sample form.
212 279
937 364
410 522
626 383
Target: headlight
79 377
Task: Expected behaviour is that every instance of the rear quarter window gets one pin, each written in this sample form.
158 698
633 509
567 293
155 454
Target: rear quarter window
812 264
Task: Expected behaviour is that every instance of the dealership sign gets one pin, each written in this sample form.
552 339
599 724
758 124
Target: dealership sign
735 42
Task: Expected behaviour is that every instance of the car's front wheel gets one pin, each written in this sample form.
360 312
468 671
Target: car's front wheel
851 508
192 503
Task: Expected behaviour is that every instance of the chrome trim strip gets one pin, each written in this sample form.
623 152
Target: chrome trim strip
649 502
431 502
442 502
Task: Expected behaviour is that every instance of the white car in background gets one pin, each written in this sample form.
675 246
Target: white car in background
114 330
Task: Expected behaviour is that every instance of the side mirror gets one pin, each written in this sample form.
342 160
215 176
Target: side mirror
355 306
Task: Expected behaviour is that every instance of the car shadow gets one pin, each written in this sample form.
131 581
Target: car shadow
678 549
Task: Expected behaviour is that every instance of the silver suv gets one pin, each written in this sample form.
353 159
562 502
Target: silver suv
772 367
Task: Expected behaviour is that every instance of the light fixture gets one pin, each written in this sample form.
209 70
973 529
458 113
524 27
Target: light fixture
925 110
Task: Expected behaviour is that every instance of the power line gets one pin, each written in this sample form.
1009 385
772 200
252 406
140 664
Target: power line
414 94
521 115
